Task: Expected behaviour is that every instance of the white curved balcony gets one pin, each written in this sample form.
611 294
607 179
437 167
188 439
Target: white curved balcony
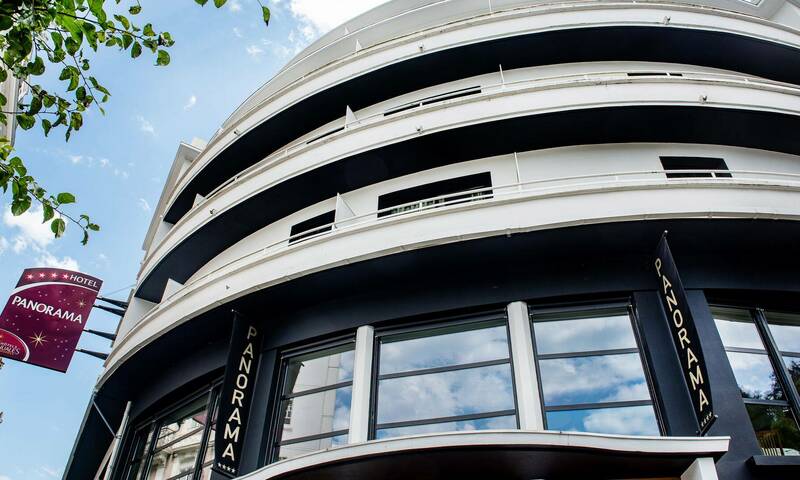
499 210
495 102
525 454
472 24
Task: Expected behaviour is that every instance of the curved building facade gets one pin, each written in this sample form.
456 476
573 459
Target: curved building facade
442 217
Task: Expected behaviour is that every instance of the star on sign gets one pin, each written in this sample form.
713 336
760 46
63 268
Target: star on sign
41 275
38 339
81 303
54 275
30 277
65 276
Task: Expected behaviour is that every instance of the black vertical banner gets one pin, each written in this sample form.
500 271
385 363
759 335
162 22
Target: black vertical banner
684 335
236 396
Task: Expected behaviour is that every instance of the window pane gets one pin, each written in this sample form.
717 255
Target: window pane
584 334
595 379
494 423
793 365
736 328
775 428
319 369
301 448
755 376
443 347
317 413
787 332
174 462
459 392
185 422
622 420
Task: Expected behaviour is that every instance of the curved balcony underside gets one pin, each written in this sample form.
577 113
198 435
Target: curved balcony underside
653 123
613 202
661 43
507 454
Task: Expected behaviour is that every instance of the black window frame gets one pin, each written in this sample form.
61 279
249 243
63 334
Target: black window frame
689 162
583 308
759 317
464 188
499 316
151 427
276 423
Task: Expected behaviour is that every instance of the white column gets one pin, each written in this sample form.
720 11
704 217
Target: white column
525 379
362 378
701 469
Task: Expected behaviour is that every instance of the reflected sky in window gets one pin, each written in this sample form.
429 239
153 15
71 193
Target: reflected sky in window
301 448
446 347
755 376
318 413
738 334
639 420
319 370
584 334
494 423
459 392
595 379
786 336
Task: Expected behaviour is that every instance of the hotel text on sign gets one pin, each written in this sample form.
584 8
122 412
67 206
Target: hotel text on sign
45 316
684 335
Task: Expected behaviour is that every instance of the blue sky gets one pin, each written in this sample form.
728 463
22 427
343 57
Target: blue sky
116 165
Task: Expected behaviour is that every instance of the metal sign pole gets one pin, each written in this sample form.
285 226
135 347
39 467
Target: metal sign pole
117 442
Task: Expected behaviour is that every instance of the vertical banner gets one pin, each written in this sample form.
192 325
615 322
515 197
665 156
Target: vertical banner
236 396
45 315
684 335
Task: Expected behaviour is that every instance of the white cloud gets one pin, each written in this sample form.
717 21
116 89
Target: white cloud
32 232
104 162
235 6
145 125
75 159
254 51
51 472
144 205
3 247
47 259
237 32
190 103
323 15
5 477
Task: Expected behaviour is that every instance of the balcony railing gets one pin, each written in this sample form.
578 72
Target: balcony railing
528 190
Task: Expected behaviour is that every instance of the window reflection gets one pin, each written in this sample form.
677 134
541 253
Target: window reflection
596 379
315 403
435 379
764 397
639 420
591 373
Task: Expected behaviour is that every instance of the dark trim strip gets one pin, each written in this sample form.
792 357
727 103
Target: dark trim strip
317 390
457 418
592 353
595 406
310 438
449 368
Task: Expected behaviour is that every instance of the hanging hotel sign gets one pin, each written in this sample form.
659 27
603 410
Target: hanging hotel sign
236 396
684 335
45 315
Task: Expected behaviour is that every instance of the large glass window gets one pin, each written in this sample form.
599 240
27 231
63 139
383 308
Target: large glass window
315 401
765 394
177 445
591 374
441 378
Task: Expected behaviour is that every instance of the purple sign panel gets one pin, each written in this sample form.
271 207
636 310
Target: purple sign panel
45 316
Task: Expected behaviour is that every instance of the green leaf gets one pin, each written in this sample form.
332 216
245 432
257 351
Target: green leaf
96 7
148 30
35 106
136 50
5 22
163 58
85 239
46 126
127 39
75 121
36 67
58 226
219 3
58 39
20 206
65 197
135 10
266 14
93 227
123 21
25 122
201 2
47 212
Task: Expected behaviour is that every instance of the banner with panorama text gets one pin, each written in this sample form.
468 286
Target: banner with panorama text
45 316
